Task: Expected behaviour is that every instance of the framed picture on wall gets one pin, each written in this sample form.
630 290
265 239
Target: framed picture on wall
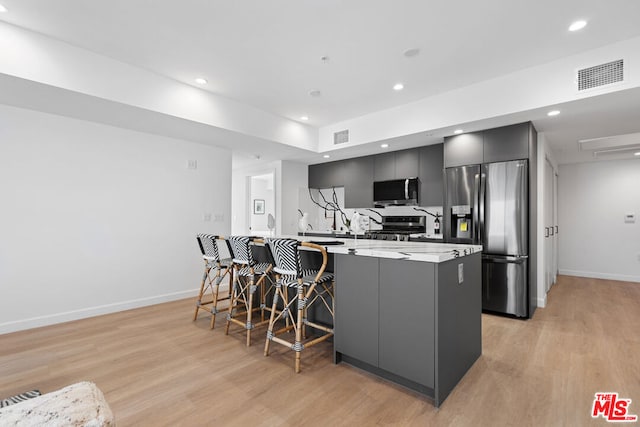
258 206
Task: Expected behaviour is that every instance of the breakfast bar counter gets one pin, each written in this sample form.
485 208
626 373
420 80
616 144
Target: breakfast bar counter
409 312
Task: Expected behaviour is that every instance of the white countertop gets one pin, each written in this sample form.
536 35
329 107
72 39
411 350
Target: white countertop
413 251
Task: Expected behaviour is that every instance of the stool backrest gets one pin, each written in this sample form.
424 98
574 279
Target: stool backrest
209 246
240 250
285 254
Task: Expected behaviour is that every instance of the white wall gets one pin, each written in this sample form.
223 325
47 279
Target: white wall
593 199
262 189
544 152
96 219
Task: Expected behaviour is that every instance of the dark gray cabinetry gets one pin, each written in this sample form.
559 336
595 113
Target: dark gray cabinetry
356 314
358 182
396 165
464 149
384 167
411 322
506 143
492 145
408 298
431 175
326 175
407 163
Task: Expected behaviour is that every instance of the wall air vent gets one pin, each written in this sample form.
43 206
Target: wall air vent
341 137
601 75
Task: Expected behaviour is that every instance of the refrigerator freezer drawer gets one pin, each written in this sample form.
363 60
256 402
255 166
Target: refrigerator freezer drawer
504 285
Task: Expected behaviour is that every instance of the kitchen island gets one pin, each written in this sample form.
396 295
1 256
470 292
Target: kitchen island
408 312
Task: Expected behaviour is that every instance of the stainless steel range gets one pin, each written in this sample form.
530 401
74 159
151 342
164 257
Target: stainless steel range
398 227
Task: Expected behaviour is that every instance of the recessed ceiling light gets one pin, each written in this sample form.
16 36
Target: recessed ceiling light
409 53
315 93
578 25
304 118
458 131
384 145
326 156
398 86
637 154
201 81
2 9
553 113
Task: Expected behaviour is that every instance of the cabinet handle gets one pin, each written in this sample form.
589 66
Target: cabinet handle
546 232
551 230
556 229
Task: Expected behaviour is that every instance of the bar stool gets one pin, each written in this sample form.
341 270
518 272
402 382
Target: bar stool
249 276
215 270
311 286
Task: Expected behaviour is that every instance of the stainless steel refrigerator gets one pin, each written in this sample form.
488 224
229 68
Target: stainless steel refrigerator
488 205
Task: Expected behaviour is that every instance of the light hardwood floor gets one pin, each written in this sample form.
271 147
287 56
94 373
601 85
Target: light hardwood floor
157 368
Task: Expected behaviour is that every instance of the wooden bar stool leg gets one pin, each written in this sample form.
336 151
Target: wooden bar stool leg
251 289
232 300
272 317
204 280
298 343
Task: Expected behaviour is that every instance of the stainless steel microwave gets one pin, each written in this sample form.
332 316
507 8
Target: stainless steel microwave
396 192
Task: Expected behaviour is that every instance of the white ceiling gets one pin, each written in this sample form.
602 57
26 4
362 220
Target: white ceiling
268 53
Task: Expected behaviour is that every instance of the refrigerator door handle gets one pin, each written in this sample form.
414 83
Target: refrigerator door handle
406 189
483 178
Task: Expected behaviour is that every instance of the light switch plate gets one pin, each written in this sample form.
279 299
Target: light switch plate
460 273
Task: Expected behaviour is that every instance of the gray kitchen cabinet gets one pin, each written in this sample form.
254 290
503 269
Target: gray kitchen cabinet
431 175
407 163
356 312
407 292
358 182
506 143
384 166
464 149
326 175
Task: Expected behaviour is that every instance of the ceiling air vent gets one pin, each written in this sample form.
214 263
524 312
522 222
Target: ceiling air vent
600 75
341 137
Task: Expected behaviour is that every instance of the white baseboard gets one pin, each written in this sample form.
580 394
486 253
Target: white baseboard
541 302
596 275
51 319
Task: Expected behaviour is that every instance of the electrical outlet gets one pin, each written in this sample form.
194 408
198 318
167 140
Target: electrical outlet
460 273
192 164
218 217
206 216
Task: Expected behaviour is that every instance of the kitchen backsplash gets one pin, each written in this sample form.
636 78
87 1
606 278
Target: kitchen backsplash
320 221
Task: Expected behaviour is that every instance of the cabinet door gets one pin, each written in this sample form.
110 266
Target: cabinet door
356 309
407 320
506 143
358 182
462 150
431 175
326 175
407 163
384 167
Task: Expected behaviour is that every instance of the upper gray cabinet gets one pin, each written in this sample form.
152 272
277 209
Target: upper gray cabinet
506 143
464 149
407 163
384 167
326 175
396 165
431 175
492 145
358 182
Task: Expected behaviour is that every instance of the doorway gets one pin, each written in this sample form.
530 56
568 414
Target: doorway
261 205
